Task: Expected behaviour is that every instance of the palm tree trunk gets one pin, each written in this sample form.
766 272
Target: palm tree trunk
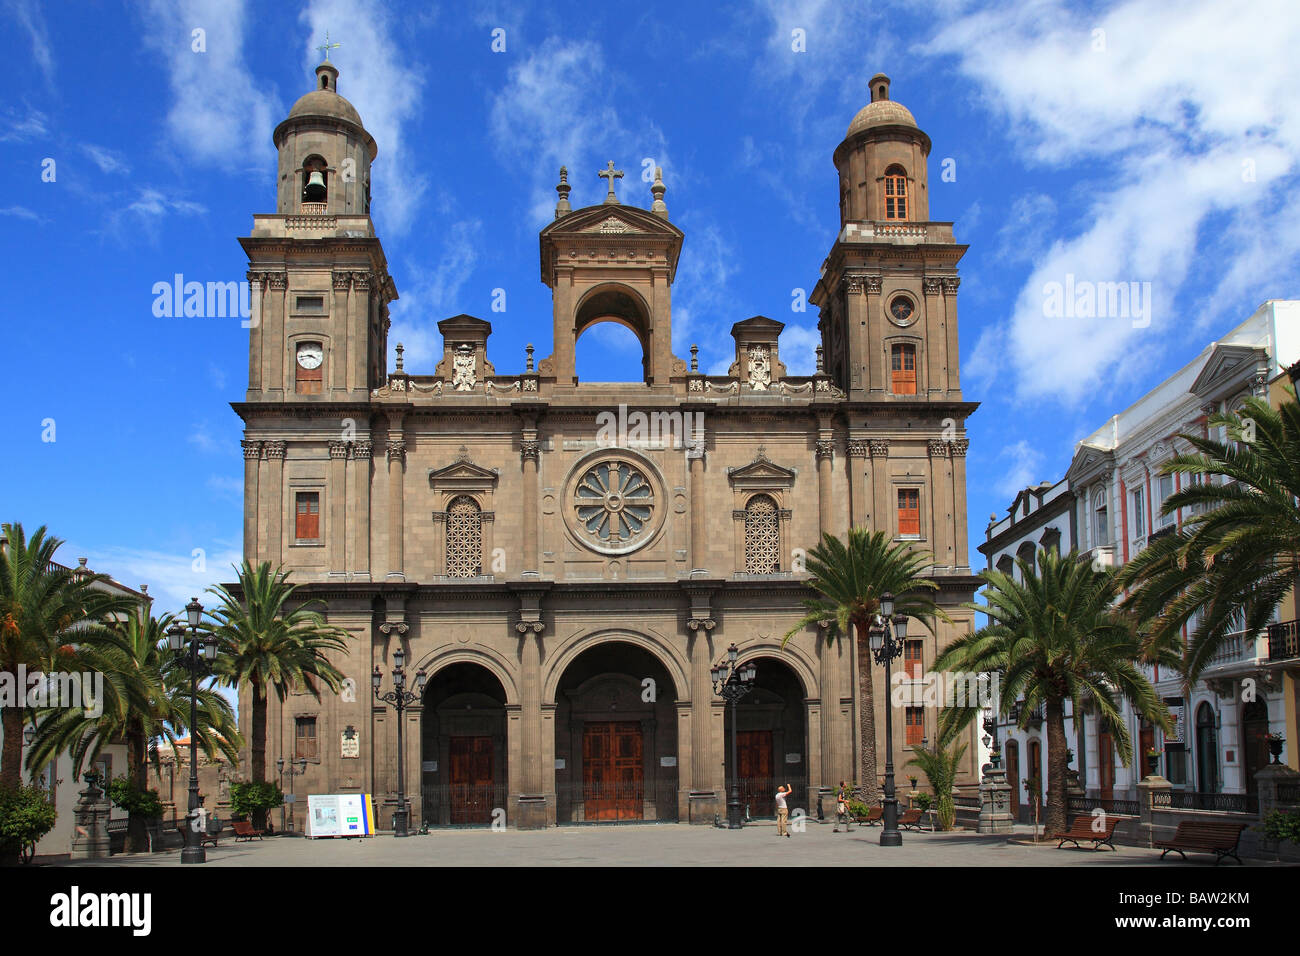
1054 822
258 746
137 835
12 762
867 780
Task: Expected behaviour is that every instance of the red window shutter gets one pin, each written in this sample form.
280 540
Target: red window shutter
307 525
909 511
902 363
912 659
915 726
309 380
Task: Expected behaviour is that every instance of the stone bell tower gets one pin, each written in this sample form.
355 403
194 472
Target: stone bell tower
319 280
888 292
611 263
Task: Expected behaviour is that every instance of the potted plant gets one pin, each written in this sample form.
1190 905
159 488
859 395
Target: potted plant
247 799
1153 761
26 815
1275 742
1282 827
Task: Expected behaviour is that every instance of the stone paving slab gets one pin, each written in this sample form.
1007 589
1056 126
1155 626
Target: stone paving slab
756 845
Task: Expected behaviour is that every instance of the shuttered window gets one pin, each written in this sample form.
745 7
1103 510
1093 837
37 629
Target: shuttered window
895 193
915 726
902 363
307 523
909 512
304 738
912 659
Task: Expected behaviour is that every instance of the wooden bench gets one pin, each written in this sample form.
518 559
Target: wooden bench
1201 836
910 819
204 838
244 830
1085 828
872 817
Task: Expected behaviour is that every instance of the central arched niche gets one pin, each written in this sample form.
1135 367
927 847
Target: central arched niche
617 305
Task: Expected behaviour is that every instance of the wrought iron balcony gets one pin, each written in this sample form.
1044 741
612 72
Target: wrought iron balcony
1284 641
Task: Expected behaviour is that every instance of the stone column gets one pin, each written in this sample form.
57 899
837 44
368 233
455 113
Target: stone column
256 338
252 459
880 507
874 356
995 801
825 504
1147 789
856 330
859 507
344 333
940 504
530 449
338 490
950 284
935 344
361 482
272 502
274 350
962 551
396 498
90 840
699 537
359 305
532 812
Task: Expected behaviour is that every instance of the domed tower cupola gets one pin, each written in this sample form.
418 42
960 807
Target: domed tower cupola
882 163
324 153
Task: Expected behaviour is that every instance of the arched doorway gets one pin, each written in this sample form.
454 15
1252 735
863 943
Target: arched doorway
1207 751
1254 748
771 740
615 737
463 751
1034 788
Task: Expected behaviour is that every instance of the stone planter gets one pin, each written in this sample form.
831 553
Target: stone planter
1275 749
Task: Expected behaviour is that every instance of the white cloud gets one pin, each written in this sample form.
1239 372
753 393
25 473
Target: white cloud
376 78
798 349
203 438
1022 471
220 113
108 161
172 578
22 212
32 124
28 16
1181 102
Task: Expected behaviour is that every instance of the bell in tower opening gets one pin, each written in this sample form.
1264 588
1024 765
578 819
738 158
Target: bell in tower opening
314 189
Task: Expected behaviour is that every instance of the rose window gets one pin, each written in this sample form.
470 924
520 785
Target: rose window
615 505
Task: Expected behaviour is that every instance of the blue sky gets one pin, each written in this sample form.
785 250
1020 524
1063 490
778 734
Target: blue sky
1131 142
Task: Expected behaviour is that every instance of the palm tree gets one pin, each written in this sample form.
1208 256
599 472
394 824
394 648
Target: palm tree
146 695
44 607
1234 560
271 648
1054 634
941 766
850 580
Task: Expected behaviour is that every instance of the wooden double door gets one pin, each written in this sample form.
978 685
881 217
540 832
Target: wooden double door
613 771
470 778
754 764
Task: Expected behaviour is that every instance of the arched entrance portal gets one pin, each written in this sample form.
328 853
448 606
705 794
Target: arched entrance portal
464 747
771 740
615 738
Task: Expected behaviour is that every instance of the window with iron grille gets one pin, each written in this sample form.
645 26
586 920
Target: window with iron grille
464 538
304 738
895 193
307 517
762 536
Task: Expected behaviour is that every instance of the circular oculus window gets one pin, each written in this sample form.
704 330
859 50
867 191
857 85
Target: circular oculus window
615 507
901 311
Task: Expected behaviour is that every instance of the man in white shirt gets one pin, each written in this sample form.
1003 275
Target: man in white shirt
782 812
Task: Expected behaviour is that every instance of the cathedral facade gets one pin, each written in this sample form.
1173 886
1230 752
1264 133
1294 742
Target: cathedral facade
565 561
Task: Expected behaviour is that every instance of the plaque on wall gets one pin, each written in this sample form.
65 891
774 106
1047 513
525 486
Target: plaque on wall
559 763
794 758
429 766
350 744
668 761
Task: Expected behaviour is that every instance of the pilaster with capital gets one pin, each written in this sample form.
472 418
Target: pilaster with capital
396 500
530 449
360 470
855 462
271 493
252 461
878 448
336 493
950 284
959 448
825 503
935 339
941 503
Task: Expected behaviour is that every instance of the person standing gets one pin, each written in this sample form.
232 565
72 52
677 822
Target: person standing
842 809
782 811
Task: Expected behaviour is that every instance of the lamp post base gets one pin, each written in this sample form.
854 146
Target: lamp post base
400 824
194 854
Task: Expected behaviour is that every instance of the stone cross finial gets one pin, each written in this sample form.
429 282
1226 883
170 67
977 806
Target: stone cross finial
326 47
610 174
695 358
528 352
400 350
562 207
657 190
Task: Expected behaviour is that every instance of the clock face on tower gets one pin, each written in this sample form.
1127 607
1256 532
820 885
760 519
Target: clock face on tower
310 355
901 311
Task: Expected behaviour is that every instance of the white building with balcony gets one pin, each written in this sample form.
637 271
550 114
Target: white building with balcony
1109 506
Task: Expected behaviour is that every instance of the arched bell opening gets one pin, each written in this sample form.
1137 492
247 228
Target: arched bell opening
605 306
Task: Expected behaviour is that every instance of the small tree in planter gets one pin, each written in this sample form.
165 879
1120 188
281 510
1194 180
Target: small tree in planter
940 766
248 800
140 805
26 815
1283 826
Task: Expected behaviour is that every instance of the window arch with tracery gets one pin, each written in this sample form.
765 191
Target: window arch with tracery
762 536
464 538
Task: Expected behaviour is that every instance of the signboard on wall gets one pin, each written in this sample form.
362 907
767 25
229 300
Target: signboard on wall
1178 735
340 814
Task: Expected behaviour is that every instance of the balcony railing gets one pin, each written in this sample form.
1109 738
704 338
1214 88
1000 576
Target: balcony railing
1035 715
1222 802
1284 641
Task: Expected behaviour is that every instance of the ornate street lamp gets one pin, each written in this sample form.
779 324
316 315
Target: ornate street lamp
201 649
296 768
400 698
887 638
731 683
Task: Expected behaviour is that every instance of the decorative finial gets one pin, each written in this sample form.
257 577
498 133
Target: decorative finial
657 190
528 363
762 452
611 174
695 358
462 454
400 350
821 365
562 207
326 47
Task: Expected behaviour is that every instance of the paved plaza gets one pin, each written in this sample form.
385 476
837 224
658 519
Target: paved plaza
661 845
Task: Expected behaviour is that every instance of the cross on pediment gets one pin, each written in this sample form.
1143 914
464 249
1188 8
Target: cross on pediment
326 47
610 174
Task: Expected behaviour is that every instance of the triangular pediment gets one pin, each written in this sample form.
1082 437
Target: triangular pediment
1086 459
1226 362
460 471
614 219
761 469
